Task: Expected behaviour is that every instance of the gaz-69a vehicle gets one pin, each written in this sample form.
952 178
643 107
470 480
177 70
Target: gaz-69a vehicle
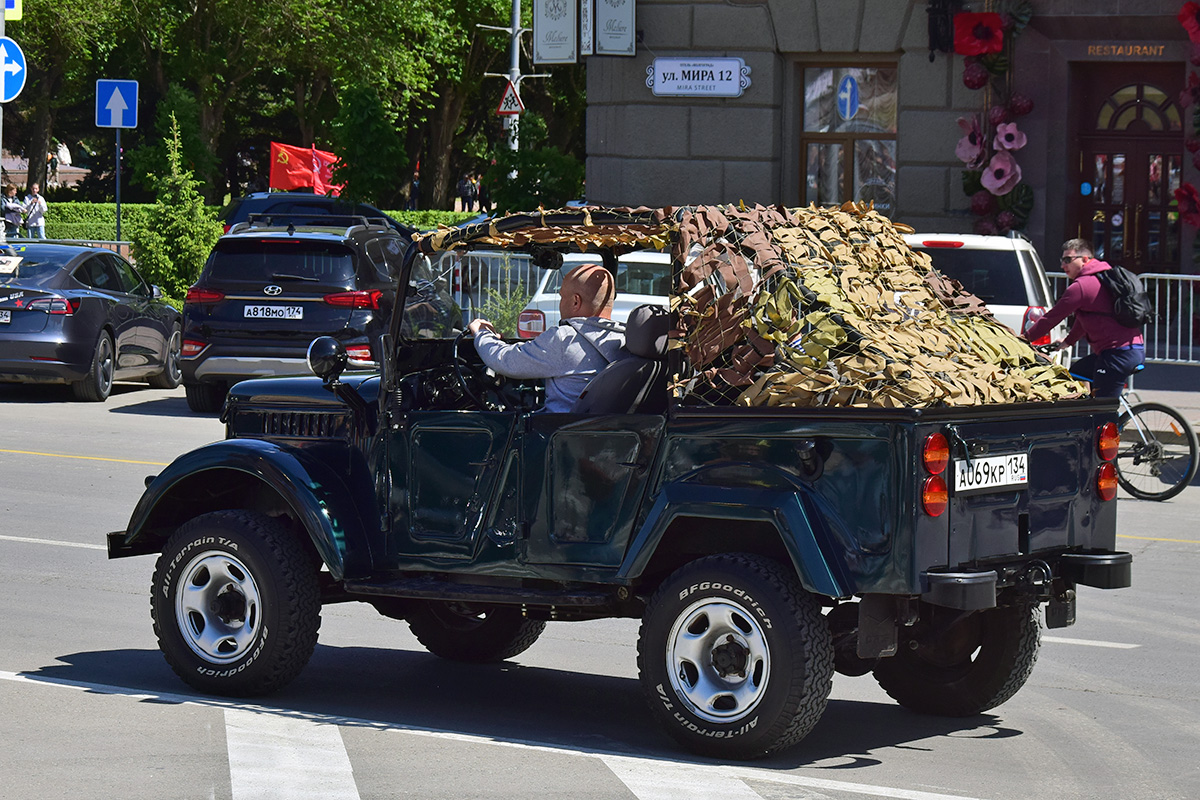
825 457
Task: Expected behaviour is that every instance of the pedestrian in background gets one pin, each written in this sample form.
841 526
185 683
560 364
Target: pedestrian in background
35 213
13 211
485 196
466 191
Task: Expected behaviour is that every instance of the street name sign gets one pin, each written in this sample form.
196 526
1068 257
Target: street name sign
698 77
116 104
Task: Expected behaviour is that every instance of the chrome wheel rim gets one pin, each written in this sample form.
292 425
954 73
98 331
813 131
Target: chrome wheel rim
218 607
104 365
174 350
718 660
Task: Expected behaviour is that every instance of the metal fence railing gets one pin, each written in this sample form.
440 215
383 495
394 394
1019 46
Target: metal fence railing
473 274
1174 336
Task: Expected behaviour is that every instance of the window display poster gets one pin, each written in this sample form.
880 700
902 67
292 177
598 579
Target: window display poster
587 26
555 31
614 28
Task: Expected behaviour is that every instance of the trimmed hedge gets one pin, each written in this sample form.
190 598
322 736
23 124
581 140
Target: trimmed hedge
428 220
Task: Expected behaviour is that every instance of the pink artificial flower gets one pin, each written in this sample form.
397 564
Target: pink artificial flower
1008 137
1001 174
970 146
1190 92
1189 18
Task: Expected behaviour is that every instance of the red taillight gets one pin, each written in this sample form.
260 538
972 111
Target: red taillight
1106 481
195 295
1108 440
935 495
941 243
359 352
936 453
531 323
57 306
192 348
1032 315
359 299
226 226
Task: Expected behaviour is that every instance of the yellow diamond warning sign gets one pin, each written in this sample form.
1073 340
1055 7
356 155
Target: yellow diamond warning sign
510 103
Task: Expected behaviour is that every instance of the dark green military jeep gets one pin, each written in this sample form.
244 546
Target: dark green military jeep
762 548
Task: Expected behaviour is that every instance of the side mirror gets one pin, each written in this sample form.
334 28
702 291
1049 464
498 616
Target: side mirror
327 358
156 292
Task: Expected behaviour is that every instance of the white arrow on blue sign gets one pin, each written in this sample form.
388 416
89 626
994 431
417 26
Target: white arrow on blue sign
847 97
12 60
116 104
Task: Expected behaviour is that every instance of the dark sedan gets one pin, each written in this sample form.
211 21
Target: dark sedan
84 317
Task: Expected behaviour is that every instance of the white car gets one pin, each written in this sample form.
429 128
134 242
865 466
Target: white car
1002 271
642 277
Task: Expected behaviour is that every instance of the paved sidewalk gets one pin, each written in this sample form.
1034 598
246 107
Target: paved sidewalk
1174 385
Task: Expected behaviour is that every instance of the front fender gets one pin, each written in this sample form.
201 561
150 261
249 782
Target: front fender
256 474
792 511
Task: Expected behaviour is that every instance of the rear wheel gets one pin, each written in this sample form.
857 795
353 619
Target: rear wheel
1157 456
735 658
235 603
965 666
170 377
205 398
96 387
471 632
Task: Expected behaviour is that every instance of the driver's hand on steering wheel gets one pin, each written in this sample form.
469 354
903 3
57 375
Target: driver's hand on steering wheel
478 325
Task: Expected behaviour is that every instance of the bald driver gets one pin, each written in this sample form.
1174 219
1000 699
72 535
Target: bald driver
567 356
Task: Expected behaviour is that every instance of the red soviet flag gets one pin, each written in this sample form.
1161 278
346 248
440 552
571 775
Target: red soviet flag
300 167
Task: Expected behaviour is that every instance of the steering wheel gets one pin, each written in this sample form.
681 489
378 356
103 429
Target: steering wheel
475 382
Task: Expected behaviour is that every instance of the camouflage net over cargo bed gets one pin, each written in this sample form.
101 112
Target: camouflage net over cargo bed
830 307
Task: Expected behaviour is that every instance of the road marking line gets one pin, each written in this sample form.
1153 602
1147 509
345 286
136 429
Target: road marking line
655 781
54 542
292 759
745 773
1090 643
85 458
1156 539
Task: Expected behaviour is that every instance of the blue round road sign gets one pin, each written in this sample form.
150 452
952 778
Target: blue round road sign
847 97
12 61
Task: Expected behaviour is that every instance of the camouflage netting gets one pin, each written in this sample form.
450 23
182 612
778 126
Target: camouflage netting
830 307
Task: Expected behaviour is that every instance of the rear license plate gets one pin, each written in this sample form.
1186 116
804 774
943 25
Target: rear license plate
991 473
274 312
5 315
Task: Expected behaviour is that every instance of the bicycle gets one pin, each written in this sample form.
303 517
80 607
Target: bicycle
1159 452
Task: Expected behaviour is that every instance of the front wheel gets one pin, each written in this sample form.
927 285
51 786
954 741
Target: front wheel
204 398
1157 456
474 633
235 603
735 658
959 665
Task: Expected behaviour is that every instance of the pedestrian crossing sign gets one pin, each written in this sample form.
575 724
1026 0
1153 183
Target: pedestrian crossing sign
12 10
510 103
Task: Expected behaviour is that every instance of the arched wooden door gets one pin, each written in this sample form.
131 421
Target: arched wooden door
1130 162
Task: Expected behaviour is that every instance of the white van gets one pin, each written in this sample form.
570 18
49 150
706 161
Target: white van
643 277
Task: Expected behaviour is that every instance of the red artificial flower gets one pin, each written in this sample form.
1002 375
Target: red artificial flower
1191 92
1189 18
979 34
1192 145
1189 204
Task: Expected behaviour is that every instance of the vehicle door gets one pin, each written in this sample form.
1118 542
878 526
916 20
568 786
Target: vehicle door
154 317
122 310
584 478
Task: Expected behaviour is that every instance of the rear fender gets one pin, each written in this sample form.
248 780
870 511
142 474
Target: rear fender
251 473
794 512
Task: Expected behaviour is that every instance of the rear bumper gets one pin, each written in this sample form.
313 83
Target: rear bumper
36 358
236 368
977 589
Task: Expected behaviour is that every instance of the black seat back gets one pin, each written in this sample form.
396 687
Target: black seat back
637 382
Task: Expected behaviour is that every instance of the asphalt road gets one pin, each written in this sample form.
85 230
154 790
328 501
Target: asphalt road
91 710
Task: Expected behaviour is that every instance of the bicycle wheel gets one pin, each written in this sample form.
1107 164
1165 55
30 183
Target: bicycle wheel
1158 452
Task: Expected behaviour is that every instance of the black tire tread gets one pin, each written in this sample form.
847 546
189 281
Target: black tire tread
204 398
1193 446
88 389
814 672
299 602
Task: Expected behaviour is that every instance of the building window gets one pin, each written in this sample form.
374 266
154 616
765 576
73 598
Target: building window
848 144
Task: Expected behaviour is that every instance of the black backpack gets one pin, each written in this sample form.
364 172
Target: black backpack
1131 305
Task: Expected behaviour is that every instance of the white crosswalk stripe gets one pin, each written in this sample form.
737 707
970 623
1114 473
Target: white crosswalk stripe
657 780
276 757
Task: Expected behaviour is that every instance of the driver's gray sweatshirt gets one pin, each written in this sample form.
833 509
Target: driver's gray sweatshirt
557 355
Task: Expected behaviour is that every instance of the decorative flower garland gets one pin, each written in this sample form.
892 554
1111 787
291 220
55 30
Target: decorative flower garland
993 177
1186 195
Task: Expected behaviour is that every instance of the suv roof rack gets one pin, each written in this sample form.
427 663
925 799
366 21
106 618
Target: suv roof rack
301 220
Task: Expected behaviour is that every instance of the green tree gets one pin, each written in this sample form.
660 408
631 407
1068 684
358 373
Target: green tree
180 231
370 150
179 107
536 175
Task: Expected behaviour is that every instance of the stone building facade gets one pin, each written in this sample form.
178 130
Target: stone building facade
1105 136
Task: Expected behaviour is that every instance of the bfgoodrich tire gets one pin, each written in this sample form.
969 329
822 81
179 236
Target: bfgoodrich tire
235 603
475 633
735 658
965 668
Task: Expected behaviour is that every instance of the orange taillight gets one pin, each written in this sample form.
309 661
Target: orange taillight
1108 440
1106 481
935 495
936 453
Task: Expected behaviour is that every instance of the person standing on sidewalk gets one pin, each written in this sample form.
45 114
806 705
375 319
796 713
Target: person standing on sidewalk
13 212
35 213
1117 351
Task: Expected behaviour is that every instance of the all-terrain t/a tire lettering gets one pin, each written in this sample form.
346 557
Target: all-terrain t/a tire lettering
735 657
235 603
